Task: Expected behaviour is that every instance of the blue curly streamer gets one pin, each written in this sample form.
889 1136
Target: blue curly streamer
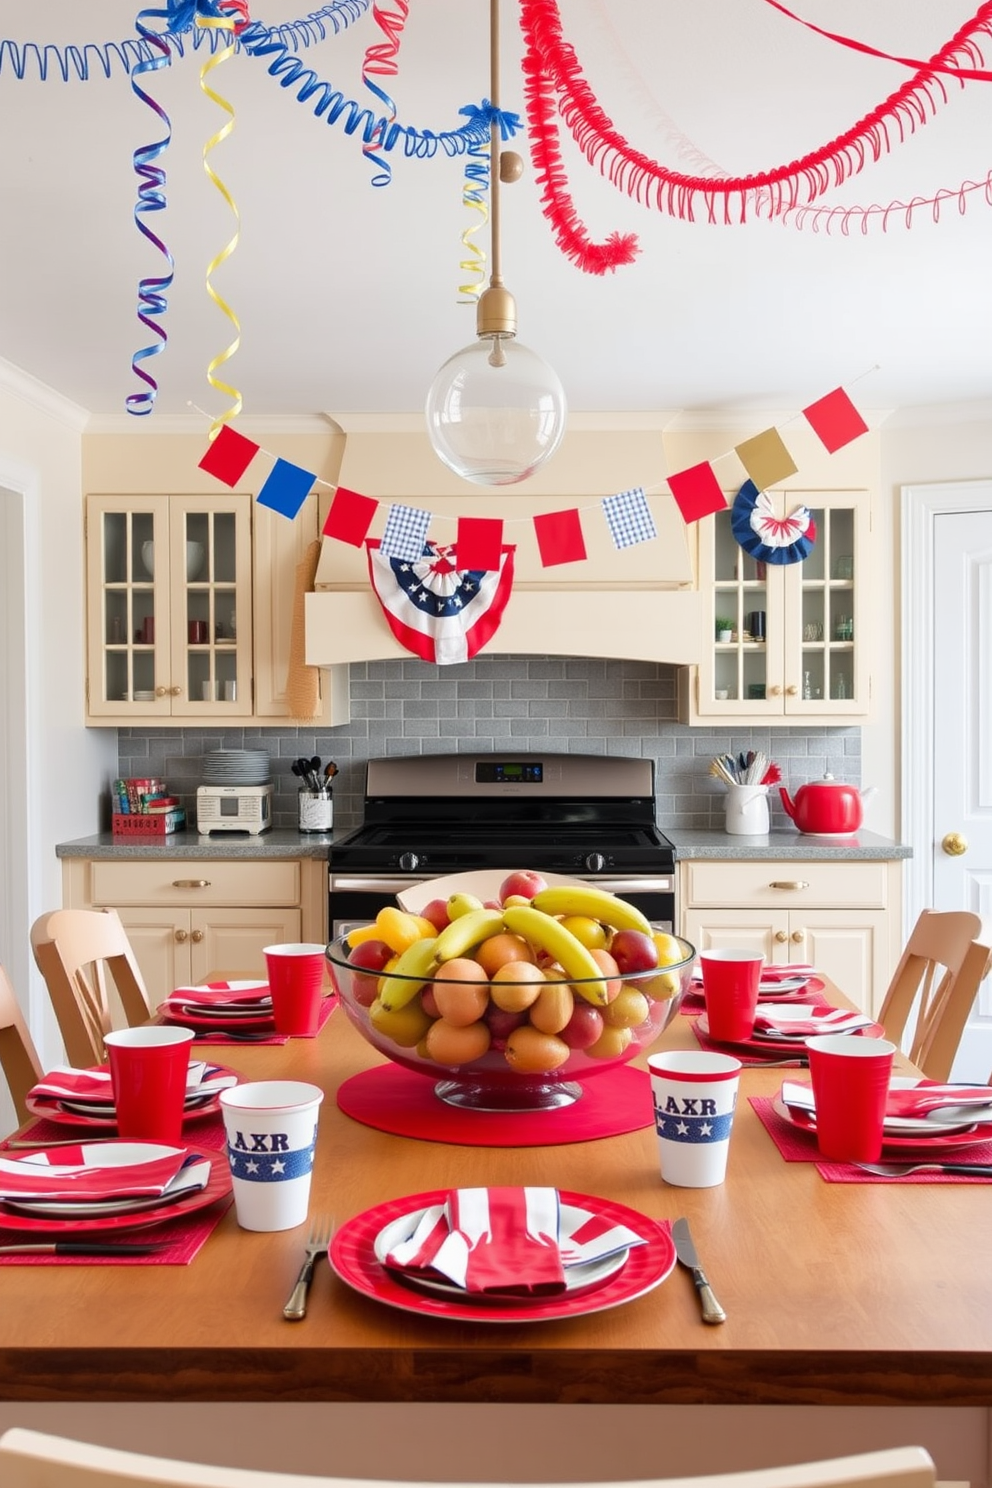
76 61
152 298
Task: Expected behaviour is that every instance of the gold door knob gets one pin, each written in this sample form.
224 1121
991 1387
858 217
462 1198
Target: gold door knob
161 691
954 844
799 935
181 936
197 936
175 691
775 691
793 691
781 936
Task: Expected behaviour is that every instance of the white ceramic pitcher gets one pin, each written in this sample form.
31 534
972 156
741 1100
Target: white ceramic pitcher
747 809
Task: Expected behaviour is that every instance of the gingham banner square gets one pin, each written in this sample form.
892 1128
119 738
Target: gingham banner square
629 518
405 533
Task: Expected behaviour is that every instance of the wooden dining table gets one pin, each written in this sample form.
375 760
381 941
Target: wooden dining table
835 1293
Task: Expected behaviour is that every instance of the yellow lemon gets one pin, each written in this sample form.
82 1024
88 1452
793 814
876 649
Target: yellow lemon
669 949
589 931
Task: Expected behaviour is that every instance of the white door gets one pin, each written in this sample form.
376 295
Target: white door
962 756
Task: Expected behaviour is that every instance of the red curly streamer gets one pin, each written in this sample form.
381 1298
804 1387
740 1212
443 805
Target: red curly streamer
550 65
971 73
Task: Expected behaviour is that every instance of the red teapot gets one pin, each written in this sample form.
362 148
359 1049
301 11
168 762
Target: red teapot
827 807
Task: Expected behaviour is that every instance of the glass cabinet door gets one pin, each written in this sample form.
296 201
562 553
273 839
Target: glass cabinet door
126 600
826 665
211 558
746 666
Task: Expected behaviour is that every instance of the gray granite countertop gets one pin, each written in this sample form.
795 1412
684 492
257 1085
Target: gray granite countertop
286 843
278 843
788 845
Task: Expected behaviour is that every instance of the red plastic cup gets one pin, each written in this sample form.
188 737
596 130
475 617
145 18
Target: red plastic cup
851 1075
730 990
148 1071
296 981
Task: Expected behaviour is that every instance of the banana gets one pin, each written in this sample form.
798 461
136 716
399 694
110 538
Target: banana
407 975
458 938
549 934
586 899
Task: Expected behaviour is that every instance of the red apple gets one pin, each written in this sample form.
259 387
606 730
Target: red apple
633 951
370 955
429 1003
583 1027
437 912
502 1023
525 883
492 904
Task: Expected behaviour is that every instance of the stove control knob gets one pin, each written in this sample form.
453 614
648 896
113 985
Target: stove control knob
409 861
595 862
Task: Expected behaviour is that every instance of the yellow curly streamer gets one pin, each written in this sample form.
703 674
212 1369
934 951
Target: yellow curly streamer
225 23
477 263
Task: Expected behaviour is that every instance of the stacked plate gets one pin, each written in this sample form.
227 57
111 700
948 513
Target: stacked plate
236 767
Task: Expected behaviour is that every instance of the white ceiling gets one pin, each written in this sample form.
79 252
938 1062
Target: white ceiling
347 294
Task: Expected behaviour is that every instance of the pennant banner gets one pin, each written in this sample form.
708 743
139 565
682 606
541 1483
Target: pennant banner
436 611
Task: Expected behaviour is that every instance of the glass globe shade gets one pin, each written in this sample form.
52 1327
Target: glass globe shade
495 424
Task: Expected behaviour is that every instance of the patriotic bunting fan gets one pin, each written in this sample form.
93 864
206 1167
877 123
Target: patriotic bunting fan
439 612
766 537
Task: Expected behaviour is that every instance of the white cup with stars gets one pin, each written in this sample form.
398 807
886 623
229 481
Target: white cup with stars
271 1128
695 1095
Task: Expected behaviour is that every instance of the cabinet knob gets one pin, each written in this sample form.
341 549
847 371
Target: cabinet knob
161 691
775 691
954 844
182 936
793 691
175 691
197 936
781 936
191 883
797 935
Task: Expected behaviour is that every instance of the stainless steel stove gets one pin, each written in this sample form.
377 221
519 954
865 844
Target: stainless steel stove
426 816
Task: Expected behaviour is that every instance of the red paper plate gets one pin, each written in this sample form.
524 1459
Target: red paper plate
894 1146
352 1257
218 1185
50 1110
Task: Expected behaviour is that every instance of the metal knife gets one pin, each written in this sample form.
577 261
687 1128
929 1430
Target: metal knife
79 1247
686 1252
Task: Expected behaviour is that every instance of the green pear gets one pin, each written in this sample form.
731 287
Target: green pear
462 904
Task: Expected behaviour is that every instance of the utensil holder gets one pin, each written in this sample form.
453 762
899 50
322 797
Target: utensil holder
316 810
747 810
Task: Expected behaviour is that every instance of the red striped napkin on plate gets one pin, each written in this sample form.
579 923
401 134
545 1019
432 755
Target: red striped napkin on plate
88 1173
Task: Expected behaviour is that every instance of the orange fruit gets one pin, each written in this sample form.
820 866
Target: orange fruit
516 985
610 970
553 1008
531 1052
612 1042
501 950
460 991
447 1044
627 1009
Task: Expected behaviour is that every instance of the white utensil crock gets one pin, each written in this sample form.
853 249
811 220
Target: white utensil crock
747 809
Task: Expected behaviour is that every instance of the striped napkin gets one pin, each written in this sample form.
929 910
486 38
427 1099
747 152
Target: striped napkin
239 997
95 1088
507 1240
783 1021
86 1178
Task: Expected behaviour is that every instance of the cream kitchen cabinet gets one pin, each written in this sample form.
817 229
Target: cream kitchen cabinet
186 917
787 642
842 917
189 610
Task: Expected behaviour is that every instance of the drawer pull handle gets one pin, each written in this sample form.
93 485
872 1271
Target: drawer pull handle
191 883
789 883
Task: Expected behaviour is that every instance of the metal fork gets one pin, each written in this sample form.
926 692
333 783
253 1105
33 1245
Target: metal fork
901 1170
321 1231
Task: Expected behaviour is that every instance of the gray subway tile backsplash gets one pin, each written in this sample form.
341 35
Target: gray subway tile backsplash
523 704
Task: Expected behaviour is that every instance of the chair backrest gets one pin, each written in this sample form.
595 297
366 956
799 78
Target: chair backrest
939 972
29 1459
18 1055
75 950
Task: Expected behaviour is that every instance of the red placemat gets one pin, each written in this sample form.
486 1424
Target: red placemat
182 1239
327 1007
209 1130
799 1146
780 1058
392 1099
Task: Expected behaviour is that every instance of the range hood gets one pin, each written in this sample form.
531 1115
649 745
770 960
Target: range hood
637 602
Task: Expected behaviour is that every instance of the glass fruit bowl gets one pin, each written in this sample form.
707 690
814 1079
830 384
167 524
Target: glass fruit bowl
476 1034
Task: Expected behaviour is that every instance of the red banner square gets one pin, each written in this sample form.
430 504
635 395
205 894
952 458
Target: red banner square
697 492
229 455
835 420
350 516
559 537
479 543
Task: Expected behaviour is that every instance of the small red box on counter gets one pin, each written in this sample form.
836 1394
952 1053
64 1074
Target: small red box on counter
147 824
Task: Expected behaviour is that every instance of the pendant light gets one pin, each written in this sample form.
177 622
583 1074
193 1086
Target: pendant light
496 411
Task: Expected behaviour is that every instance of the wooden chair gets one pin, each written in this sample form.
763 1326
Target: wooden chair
29 1459
18 1055
76 950
939 973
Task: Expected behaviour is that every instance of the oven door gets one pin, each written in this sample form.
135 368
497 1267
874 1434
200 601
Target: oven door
356 900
